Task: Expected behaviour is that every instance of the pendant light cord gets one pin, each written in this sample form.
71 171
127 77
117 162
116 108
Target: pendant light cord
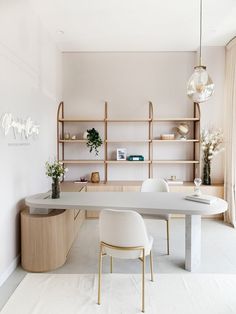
200 52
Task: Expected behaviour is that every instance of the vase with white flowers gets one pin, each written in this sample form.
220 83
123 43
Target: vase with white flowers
211 141
55 170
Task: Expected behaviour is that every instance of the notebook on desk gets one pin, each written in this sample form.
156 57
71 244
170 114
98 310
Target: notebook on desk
206 199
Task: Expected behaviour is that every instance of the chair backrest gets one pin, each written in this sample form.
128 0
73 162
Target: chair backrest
122 228
155 185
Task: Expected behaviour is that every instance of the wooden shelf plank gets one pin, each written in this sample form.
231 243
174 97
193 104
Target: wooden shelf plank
127 162
81 120
175 161
178 141
82 161
128 120
175 119
128 141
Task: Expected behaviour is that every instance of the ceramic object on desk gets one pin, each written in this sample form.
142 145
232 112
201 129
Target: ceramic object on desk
73 137
197 191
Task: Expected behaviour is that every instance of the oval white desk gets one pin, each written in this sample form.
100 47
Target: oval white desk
144 203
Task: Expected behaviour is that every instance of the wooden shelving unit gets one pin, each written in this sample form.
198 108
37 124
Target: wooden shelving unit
152 142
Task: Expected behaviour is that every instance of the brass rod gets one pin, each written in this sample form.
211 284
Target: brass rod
151 266
106 147
168 236
143 281
99 274
111 264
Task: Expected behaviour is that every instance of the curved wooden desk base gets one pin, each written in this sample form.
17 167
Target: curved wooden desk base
47 239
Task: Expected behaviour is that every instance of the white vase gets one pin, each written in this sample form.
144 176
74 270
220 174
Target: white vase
85 134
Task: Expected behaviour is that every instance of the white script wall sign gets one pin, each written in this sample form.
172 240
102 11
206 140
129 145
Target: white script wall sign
23 128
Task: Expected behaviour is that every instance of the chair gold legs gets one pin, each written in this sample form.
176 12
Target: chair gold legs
143 281
143 260
151 266
99 275
168 236
111 264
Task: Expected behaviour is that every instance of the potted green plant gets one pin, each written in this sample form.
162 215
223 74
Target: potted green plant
55 170
94 140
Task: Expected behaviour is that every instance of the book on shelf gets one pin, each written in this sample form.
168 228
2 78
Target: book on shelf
173 182
135 158
206 199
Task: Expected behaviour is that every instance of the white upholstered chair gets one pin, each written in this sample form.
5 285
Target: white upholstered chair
159 185
123 235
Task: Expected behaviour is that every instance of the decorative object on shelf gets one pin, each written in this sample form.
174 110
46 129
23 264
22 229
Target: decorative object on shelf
169 137
95 177
67 136
85 135
135 158
94 140
121 154
73 137
211 145
55 170
197 182
200 86
183 130
83 179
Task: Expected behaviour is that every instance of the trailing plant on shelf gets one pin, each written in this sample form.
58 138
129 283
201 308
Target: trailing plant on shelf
211 141
94 140
55 170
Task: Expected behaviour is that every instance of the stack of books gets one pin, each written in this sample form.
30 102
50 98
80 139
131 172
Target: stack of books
206 199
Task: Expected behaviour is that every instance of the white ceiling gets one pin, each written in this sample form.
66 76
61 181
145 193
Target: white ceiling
136 25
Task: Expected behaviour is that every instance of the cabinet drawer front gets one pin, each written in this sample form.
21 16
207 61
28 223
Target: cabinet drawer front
130 188
104 188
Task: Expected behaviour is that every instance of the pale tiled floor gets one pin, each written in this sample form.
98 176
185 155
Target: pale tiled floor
218 252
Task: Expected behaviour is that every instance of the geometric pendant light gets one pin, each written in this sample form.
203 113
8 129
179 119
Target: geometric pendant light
200 86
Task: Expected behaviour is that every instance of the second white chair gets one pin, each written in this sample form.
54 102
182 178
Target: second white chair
159 185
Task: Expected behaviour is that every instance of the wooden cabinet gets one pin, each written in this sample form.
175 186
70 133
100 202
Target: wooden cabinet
47 239
44 239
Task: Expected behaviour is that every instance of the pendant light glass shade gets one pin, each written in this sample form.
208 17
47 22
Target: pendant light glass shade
200 86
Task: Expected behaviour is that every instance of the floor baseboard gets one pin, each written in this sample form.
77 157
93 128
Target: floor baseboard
9 270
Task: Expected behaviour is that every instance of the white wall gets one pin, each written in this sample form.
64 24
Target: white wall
128 81
29 86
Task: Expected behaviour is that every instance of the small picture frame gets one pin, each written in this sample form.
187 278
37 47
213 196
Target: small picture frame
121 154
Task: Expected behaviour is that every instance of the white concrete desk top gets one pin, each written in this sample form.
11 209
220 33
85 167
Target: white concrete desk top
148 203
